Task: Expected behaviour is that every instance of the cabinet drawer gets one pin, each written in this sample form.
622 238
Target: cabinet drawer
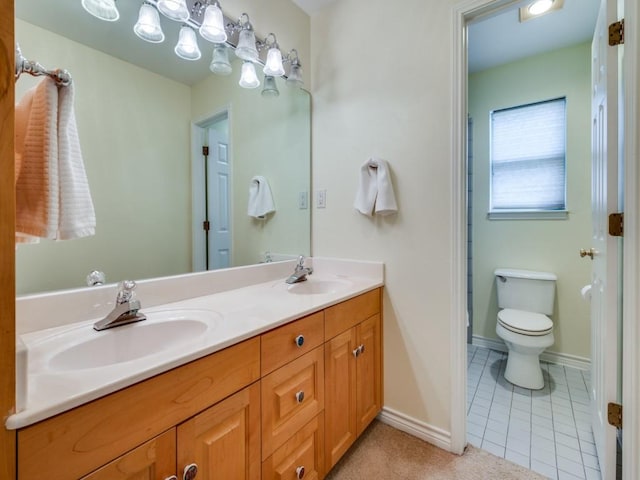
348 314
290 341
302 456
291 397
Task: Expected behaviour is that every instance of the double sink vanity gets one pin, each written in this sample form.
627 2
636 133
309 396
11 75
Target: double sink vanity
233 375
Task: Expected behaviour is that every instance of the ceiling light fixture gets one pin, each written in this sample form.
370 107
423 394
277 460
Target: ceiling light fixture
206 17
539 7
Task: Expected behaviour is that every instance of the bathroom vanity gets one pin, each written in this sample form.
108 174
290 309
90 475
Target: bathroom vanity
284 403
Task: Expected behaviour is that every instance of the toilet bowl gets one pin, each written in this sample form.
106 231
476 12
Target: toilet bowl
525 298
526 335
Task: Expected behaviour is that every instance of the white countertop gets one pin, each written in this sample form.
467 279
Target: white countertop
238 314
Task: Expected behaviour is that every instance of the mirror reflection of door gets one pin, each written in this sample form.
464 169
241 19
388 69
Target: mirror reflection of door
211 202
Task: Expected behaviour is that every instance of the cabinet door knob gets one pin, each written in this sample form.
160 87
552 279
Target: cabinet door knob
356 352
299 340
190 472
361 348
300 396
300 472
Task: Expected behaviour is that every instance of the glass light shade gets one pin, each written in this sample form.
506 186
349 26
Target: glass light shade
246 49
212 27
187 46
248 77
220 61
148 25
273 65
270 88
174 9
295 76
102 9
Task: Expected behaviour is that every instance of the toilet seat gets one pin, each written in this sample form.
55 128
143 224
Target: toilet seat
525 323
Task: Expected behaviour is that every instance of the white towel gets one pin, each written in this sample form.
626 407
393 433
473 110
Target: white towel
260 198
375 191
52 192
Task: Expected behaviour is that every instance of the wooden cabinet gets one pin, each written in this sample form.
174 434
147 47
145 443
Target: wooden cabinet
284 405
224 440
353 380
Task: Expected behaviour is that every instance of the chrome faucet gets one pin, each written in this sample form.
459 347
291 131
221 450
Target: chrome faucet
300 273
126 309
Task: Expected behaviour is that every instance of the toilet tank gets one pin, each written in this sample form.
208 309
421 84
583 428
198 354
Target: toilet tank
526 290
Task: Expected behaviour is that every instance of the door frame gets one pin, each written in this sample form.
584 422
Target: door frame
461 14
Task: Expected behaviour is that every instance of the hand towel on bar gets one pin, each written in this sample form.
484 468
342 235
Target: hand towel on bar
52 191
260 198
77 215
375 190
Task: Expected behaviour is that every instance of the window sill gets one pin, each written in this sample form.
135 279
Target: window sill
528 215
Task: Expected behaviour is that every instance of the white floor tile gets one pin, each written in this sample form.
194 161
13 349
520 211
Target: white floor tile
547 430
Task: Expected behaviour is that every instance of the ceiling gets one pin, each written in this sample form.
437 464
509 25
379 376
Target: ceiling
500 38
493 40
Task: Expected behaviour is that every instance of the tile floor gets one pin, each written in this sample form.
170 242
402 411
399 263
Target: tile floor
547 431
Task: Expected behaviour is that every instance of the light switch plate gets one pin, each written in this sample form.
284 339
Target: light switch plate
321 200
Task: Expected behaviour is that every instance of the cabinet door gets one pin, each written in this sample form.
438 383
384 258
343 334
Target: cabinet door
224 440
369 389
153 460
340 396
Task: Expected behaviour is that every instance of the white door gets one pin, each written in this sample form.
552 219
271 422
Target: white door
604 281
218 200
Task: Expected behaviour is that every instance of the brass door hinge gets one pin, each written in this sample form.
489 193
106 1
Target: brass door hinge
205 150
616 224
616 33
614 414
206 225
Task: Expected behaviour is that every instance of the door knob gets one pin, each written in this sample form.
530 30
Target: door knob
587 253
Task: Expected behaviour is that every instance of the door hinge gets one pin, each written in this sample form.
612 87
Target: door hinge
205 225
616 224
616 33
614 414
205 150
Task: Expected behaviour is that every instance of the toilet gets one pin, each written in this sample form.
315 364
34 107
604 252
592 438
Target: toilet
525 299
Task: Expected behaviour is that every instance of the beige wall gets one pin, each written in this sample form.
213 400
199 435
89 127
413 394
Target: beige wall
547 245
135 146
392 99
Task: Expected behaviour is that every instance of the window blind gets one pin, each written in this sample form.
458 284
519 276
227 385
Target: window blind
528 151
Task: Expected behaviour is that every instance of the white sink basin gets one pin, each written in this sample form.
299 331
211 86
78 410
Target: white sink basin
319 287
160 332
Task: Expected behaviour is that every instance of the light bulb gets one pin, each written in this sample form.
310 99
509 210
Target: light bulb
248 77
102 9
212 27
220 61
148 25
187 46
246 49
540 6
273 65
174 9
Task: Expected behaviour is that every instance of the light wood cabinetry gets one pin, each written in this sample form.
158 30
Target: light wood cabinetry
353 376
285 405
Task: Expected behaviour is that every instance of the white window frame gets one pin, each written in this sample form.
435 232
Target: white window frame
528 213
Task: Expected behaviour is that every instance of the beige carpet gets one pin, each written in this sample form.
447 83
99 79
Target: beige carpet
382 452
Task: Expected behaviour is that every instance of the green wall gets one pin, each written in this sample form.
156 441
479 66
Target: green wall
546 245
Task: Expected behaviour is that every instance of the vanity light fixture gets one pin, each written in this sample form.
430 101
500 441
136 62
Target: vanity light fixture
220 61
248 77
102 9
212 27
174 9
538 8
148 26
187 46
206 17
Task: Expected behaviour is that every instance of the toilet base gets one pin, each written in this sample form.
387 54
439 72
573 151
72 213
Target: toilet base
524 370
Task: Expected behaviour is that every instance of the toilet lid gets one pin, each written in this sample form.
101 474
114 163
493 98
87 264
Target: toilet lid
525 323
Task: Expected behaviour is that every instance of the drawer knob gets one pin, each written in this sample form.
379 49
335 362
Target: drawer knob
299 340
356 352
300 396
190 472
361 348
300 472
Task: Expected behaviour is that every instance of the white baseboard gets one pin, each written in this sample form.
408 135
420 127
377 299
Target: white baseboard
434 435
552 357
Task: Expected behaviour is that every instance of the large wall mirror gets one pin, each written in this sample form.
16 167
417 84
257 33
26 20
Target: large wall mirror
143 116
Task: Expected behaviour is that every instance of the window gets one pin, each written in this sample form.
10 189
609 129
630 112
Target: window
528 151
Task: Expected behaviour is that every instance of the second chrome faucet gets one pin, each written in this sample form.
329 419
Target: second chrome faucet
126 309
300 273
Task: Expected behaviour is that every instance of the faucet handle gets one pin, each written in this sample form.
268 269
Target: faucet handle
301 261
125 291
